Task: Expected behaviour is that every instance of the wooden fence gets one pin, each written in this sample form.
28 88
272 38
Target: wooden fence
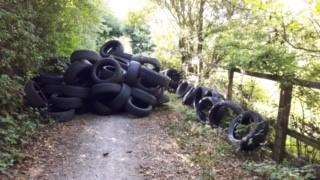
281 129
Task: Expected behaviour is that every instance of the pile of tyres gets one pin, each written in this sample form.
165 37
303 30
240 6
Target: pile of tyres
211 107
106 83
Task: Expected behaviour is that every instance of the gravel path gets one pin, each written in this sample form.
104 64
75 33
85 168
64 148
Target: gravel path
110 147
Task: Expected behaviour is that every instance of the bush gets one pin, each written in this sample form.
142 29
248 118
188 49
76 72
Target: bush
19 47
17 122
55 65
32 31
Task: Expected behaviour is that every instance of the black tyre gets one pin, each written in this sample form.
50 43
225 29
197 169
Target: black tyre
163 99
79 55
124 62
143 96
222 109
153 78
173 86
50 89
48 79
203 108
152 90
217 95
65 103
188 98
102 90
75 91
78 73
61 115
111 47
206 92
173 74
248 131
176 78
147 62
132 73
100 108
85 108
111 65
183 88
105 72
121 99
198 95
34 95
138 108
159 93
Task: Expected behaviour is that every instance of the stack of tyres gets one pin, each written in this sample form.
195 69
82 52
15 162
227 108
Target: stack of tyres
106 83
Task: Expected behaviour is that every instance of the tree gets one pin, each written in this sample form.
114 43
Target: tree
135 28
139 32
189 17
32 31
110 28
198 20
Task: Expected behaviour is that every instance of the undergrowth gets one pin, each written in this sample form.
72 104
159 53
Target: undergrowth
271 170
209 149
17 122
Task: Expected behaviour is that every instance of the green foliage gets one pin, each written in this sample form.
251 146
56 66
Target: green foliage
282 171
19 43
31 32
35 30
166 50
135 28
260 36
109 28
249 92
76 25
55 65
139 33
16 121
204 146
10 95
248 46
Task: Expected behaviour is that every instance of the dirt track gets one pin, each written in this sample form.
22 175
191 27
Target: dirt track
111 147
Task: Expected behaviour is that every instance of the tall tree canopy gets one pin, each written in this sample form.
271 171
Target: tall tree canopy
250 34
139 33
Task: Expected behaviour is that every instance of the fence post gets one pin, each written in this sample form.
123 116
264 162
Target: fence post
230 83
279 148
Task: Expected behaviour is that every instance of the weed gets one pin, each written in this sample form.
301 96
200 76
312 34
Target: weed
283 171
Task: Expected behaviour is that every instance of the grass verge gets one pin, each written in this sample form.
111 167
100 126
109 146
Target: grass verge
209 149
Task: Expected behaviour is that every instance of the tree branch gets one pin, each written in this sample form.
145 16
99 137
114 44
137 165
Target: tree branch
286 39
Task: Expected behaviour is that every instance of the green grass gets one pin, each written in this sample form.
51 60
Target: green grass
206 146
281 171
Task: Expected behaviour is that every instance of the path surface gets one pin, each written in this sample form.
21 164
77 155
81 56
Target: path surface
111 147
102 150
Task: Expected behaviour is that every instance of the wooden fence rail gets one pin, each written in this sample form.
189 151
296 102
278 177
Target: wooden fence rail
281 130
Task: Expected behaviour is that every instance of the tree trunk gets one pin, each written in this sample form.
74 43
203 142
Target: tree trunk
182 48
200 39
